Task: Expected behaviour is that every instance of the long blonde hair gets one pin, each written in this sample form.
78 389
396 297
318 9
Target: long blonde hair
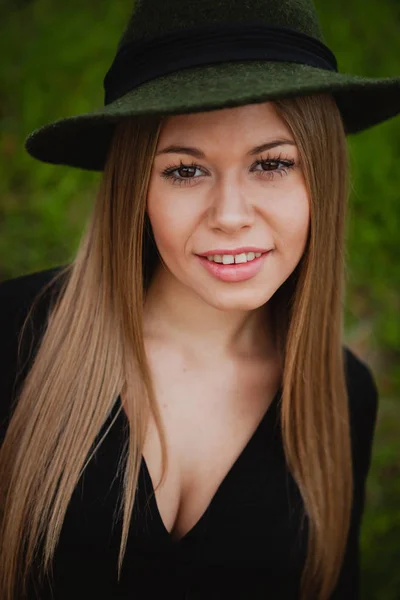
92 350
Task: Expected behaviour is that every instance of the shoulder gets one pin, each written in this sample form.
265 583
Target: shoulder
17 296
359 374
361 385
363 408
20 291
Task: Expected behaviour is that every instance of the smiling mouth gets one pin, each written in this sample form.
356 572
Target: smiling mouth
234 272
230 259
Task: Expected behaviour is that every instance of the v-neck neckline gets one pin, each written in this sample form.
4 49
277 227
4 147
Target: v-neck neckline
267 416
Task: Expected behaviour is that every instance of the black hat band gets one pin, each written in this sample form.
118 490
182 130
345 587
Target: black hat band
143 61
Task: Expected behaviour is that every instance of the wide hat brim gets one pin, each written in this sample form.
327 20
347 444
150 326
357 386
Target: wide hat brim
83 140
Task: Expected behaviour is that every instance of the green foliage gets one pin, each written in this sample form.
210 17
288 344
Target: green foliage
356 30
58 55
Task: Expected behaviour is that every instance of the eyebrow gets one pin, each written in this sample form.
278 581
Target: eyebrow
200 154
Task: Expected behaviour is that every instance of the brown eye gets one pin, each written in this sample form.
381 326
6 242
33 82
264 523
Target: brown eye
184 172
271 164
275 166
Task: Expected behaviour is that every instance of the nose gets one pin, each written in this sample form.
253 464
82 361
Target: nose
229 209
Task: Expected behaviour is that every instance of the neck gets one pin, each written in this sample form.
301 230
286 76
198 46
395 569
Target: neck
174 313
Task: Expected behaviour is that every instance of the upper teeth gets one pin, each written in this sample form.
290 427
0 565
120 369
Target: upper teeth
229 259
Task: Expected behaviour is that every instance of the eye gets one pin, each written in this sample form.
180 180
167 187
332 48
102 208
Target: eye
186 170
275 166
271 167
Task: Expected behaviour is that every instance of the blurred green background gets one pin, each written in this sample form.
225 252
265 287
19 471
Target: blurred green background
54 58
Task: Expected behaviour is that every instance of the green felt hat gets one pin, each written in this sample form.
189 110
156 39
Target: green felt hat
204 55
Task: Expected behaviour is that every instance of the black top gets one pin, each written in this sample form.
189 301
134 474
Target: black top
248 543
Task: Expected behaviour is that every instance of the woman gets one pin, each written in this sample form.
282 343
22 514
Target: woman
182 417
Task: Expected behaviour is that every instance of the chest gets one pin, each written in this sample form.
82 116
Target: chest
209 415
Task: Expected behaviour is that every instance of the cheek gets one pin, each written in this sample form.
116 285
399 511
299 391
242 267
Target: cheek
172 223
291 219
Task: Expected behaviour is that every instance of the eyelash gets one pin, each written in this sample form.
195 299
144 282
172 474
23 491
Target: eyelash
288 164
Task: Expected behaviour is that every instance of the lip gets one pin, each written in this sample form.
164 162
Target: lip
233 251
235 272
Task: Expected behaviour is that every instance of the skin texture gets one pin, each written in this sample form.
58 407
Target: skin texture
229 201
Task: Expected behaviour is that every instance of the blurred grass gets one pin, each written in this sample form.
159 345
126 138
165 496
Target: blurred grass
58 54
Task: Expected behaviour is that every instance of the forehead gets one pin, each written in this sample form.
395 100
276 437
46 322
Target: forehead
246 122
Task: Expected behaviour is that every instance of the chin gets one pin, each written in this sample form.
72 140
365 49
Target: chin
233 300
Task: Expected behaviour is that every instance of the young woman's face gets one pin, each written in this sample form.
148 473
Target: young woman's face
222 194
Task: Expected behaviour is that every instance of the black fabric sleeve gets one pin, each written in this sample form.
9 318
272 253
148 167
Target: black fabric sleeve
16 298
11 320
363 413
